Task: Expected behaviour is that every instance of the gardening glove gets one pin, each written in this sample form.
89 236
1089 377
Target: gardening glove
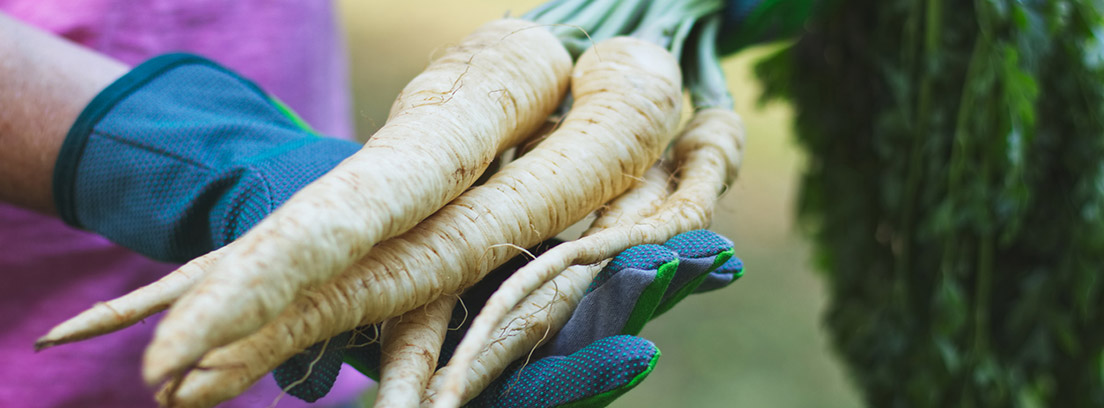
180 156
643 282
592 360
750 22
596 357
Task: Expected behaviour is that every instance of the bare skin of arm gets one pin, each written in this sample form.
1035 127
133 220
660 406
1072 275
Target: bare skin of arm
45 82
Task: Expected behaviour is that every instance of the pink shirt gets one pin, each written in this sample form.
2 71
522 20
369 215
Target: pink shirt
52 272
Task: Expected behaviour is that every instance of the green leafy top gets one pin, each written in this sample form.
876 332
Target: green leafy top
954 188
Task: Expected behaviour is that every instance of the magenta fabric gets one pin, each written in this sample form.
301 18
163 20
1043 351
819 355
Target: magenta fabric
51 272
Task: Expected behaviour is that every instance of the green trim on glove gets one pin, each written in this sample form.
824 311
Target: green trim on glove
291 115
650 298
606 398
685 291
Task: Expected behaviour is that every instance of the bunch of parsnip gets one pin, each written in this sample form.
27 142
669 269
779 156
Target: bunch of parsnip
399 228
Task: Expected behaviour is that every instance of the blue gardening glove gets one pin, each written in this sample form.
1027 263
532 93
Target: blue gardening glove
749 22
180 156
643 282
596 357
592 360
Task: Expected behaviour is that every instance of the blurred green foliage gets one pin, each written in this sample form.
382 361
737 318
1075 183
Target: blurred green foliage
955 192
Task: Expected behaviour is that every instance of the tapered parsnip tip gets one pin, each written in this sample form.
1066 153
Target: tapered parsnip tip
55 337
93 322
446 400
44 343
179 345
98 320
121 312
158 365
58 335
165 396
202 387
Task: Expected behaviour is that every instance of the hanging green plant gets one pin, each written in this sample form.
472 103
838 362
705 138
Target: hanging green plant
955 192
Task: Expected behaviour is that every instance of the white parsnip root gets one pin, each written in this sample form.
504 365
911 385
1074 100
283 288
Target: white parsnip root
547 309
627 103
393 234
446 126
640 201
411 346
418 330
709 152
126 310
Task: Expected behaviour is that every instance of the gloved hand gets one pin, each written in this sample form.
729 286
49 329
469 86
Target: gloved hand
596 357
748 22
180 156
593 360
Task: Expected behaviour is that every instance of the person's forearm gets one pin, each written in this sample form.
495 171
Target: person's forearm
45 82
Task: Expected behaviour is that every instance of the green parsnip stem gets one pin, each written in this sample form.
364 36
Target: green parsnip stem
627 105
547 309
483 95
709 152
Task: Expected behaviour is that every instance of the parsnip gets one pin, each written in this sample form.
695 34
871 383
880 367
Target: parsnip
411 345
546 310
709 151
627 104
480 97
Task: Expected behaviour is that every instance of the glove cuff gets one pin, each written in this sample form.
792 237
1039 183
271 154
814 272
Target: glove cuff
72 148
181 155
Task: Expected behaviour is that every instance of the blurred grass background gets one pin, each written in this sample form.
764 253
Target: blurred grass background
757 343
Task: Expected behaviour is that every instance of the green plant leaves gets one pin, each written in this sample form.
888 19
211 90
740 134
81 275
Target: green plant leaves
955 192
